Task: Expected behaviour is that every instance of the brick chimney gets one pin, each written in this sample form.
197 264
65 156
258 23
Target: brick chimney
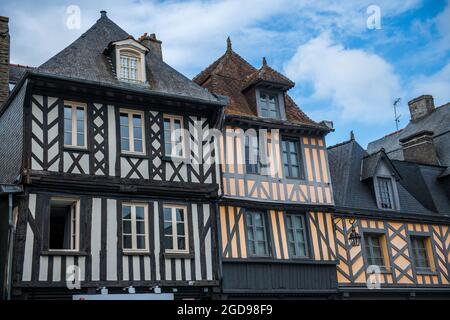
153 44
419 147
4 59
421 106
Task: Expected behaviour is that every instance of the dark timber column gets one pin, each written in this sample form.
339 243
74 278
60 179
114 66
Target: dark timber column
4 59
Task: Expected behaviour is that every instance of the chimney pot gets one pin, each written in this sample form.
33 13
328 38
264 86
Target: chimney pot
421 106
151 42
103 14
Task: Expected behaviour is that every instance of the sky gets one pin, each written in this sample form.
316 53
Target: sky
350 60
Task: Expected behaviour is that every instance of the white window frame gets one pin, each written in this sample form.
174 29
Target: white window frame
131 48
74 129
172 119
130 114
133 206
74 214
173 208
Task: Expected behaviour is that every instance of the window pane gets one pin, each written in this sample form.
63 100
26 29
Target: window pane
137 120
258 219
127 226
181 243
167 228
384 189
80 139
126 212
168 214
260 248
179 214
140 227
180 229
127 242
68 138
168 242
125 144
124 119
140 242
140 212
260 234
137 131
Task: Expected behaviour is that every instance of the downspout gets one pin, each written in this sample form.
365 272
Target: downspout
11 235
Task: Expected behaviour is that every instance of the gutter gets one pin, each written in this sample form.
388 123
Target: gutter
10 190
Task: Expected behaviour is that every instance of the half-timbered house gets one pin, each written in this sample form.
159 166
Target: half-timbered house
114 193
401 212
275 226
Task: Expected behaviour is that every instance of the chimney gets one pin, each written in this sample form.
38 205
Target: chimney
421 106
153 44
4 59
419 147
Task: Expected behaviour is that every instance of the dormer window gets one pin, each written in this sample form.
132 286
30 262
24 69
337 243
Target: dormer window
129 67
129 59
386 193
269 105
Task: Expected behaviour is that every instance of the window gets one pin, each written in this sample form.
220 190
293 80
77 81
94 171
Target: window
129 64
64 224
269 105
251 155
75 125
293 167
420 253
373 246
256 234
385 193
175 229
296 235
173 136
134 227
132 131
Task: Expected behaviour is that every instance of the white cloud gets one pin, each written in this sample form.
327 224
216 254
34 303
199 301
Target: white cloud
437 84
360 86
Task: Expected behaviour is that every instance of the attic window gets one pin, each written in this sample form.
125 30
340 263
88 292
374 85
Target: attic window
129 60
129 66
386 193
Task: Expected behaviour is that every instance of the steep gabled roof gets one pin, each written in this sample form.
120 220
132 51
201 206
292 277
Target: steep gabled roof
84 59
231 73
371 162
418 195
437 122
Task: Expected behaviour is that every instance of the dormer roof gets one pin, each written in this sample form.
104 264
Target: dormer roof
269 77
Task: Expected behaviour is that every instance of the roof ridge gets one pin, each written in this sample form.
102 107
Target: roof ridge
340 144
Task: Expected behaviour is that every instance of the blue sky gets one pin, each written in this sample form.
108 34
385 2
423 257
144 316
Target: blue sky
343 71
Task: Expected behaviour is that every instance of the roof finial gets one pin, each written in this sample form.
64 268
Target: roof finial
229 44
264 62
103 14
352 135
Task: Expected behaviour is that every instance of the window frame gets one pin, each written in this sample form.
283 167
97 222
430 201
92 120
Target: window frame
133 222
429 256
370 234
172 118
277 103
74 133
73 214
131 141
300 159
131 48
267 238
306 237
174 222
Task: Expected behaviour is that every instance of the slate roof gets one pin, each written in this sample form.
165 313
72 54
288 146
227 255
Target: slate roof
418 187
83 59
17 71
437 121
370 164
231 73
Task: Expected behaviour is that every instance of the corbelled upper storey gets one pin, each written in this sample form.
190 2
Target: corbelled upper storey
106 54
255 93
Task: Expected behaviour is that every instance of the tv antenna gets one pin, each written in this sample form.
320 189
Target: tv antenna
397 117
